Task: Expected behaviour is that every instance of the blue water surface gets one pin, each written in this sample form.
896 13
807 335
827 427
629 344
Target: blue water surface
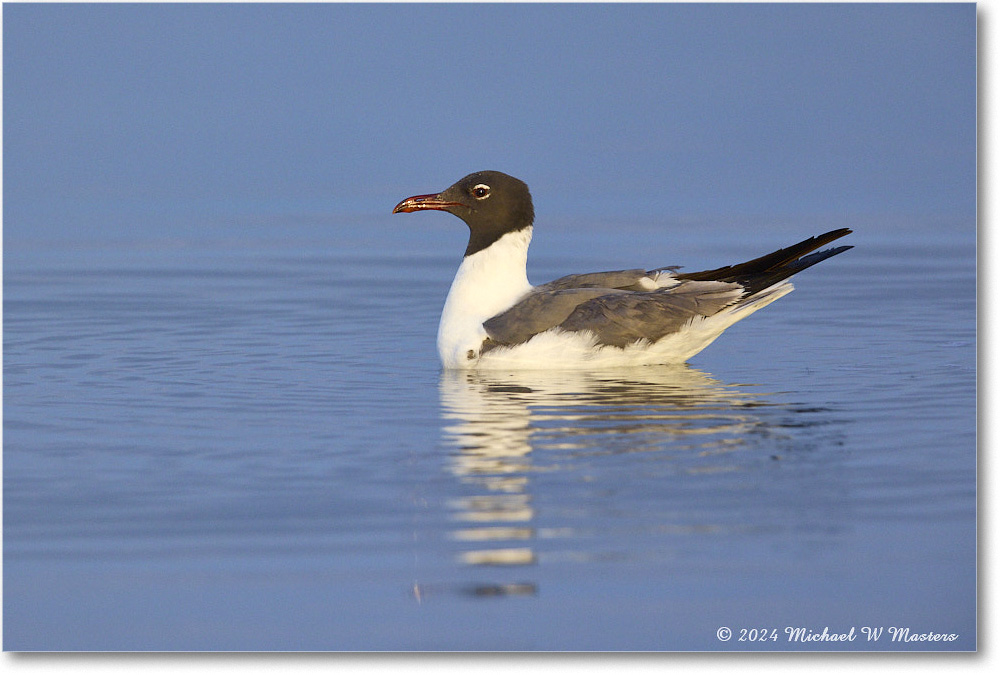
249 444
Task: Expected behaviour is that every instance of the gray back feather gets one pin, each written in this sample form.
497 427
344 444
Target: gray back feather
620 279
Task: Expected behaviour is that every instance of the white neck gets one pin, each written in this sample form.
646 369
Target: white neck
487 283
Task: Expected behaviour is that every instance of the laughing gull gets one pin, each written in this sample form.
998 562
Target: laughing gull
494 318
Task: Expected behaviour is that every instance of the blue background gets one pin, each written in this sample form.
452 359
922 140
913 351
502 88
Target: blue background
163 120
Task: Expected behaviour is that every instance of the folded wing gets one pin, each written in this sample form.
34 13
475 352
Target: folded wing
625 306
616 316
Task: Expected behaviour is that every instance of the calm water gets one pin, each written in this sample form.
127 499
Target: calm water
249 444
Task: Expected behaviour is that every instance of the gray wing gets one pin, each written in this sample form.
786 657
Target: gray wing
550 304
616 316
538 312
622 319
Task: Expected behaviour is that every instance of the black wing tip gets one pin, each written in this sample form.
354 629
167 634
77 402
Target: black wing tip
840 232
826 237
755 283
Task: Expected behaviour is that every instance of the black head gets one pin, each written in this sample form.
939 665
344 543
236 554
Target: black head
491 204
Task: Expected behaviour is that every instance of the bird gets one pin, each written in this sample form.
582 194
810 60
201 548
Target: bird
494 318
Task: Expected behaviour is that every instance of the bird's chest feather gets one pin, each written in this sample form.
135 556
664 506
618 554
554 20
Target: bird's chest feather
487 283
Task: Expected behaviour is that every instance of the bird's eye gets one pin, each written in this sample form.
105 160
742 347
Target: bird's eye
481 191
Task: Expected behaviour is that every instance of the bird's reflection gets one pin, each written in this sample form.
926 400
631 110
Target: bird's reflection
506 428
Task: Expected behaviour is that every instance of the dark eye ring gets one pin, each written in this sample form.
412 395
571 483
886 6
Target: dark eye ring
481 191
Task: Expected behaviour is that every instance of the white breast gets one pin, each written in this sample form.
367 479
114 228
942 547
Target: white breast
487 283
